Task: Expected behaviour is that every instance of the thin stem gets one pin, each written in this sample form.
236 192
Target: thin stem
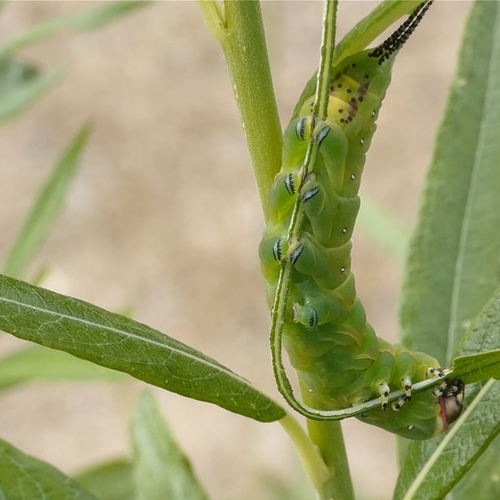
239 29
328 437
316 469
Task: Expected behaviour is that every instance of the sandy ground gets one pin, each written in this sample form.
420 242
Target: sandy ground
164 217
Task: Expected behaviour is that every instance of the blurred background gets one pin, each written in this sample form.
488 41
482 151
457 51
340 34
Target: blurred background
164 218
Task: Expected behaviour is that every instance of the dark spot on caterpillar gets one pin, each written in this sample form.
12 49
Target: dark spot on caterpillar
360 98
349 118
341 110
348 91
300 129
367 76
313 318
310 193
289 184
364 415
339 86
320 137
295 254
353 65
353 100
277 252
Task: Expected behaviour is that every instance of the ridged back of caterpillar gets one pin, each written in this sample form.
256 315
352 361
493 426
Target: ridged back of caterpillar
356 95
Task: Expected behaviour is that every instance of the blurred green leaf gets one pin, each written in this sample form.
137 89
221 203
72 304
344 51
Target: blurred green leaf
110 481
46 206
17 98
454 264
82 21
25 477
384 228
14 73
116 342
454 261
37 364
161 469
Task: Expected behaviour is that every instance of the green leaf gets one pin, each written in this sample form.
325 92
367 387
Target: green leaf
20 97
83 21
46 207
477 367
161 469
14 73
37 363
26 477
454 265
110 481
116 342
431 469
384 228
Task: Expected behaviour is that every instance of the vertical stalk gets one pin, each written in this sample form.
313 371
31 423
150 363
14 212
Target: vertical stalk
328 437
239 29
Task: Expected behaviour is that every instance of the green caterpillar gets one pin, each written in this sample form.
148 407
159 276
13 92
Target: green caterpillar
338 358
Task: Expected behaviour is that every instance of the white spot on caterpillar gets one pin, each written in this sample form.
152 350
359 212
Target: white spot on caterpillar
353 177
373 113
361 141
411 427
344 230
342 269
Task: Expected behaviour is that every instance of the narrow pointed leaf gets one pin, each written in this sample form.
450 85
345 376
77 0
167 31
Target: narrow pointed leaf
384 228
26 477
37 364
432 468
110 481
110 340
82 21
161 469
454 265
14 73
46 207
17 99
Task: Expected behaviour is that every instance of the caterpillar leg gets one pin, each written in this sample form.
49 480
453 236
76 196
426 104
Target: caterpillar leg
406 386
384 390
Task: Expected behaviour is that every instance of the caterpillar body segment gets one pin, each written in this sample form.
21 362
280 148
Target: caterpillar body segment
335 351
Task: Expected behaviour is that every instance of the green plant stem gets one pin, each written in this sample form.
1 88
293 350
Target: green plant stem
239 30
316 469
328 437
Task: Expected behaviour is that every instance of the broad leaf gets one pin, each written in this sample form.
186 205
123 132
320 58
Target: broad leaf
116 342
454 264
